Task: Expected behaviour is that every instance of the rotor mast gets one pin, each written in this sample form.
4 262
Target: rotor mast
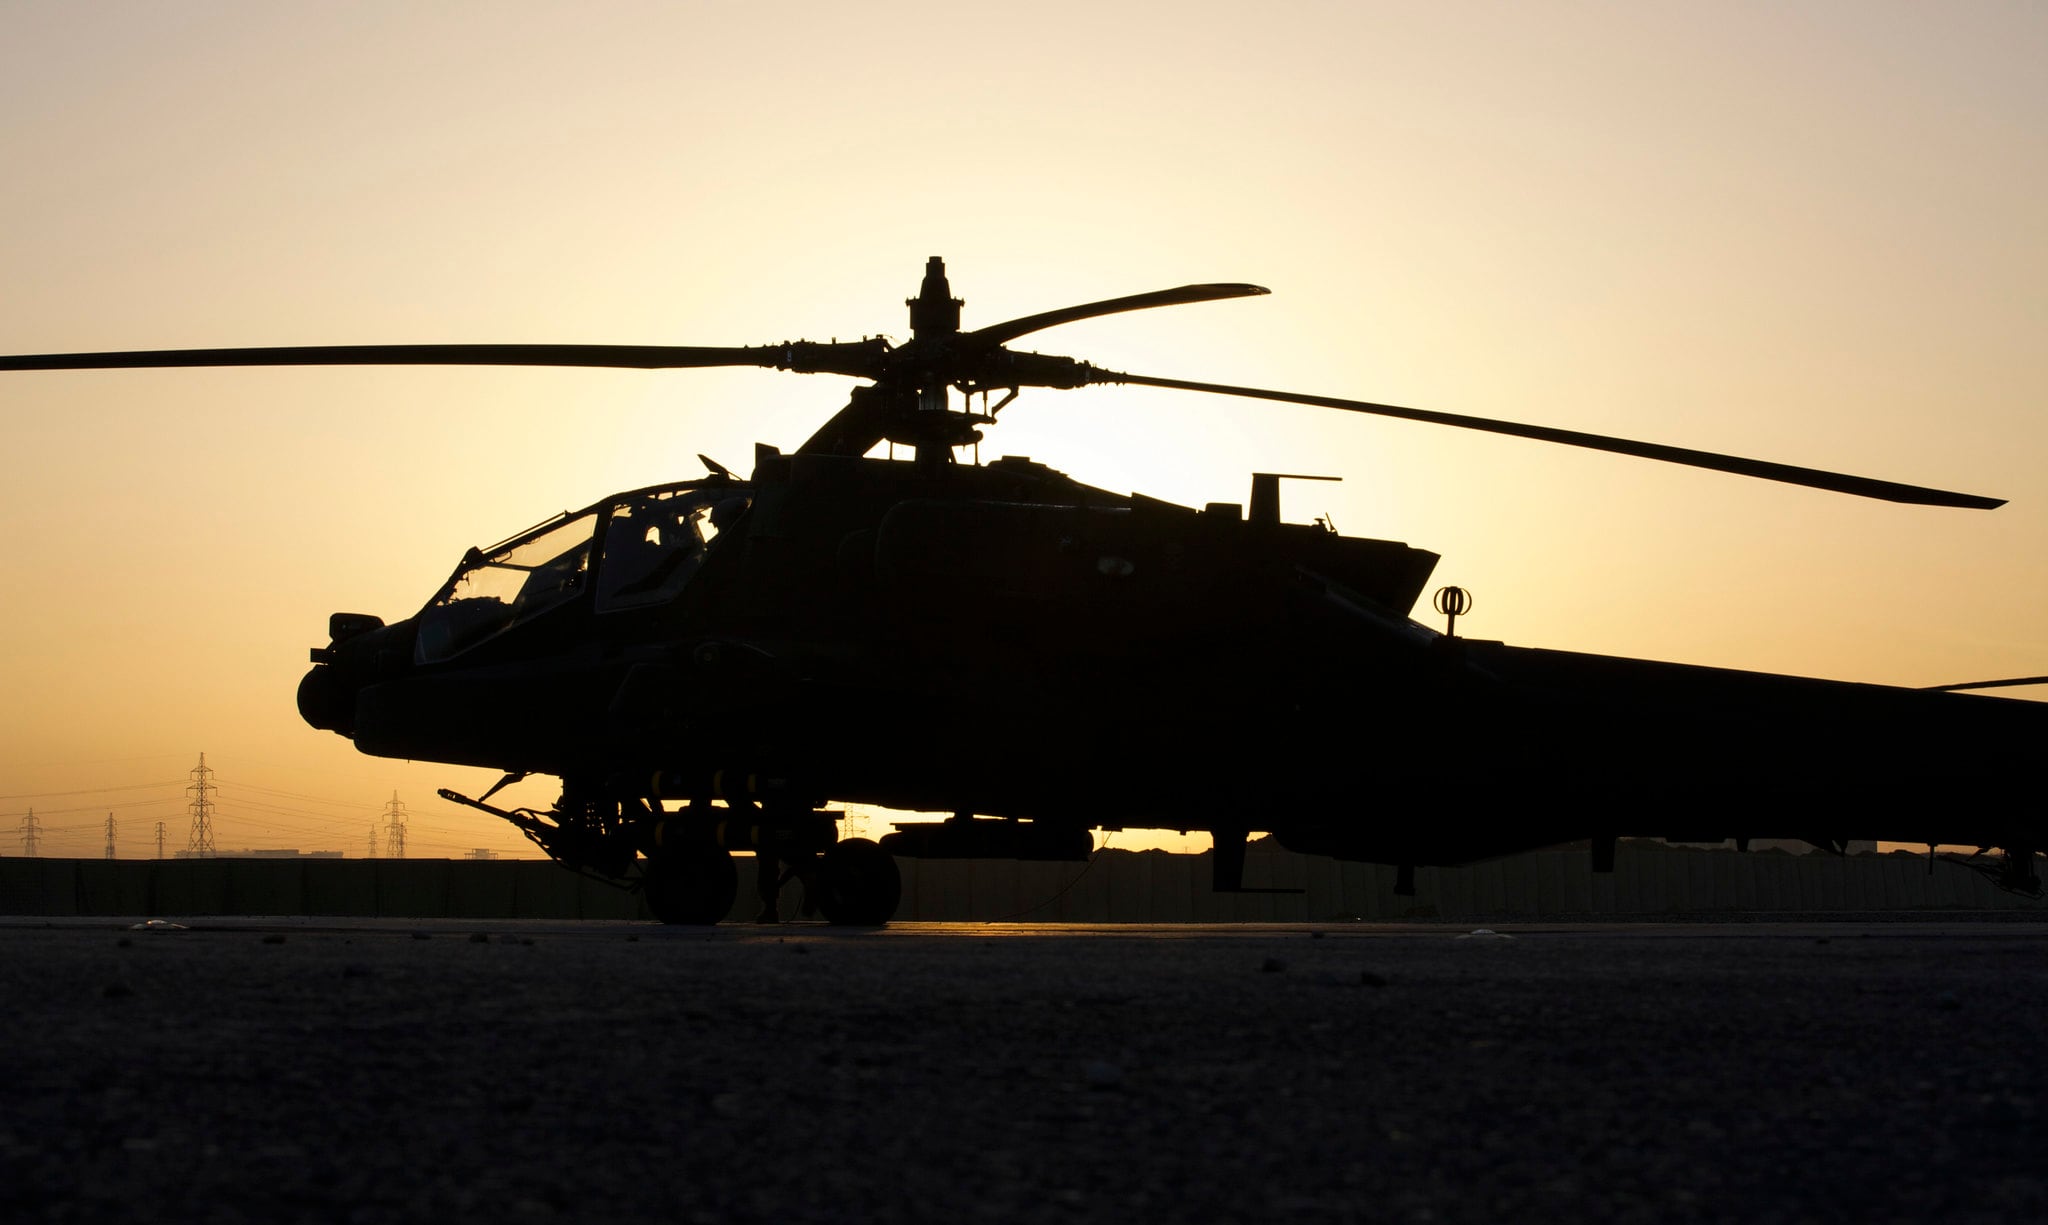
934 321
907 402
934 312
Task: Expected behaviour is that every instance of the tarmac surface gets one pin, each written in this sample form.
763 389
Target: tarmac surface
320 1070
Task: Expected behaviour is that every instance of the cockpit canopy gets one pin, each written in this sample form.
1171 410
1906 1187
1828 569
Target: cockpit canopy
641 548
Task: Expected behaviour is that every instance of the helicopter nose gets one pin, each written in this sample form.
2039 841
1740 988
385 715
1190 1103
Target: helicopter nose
325 702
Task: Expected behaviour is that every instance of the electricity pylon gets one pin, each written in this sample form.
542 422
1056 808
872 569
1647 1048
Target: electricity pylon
201 791
394 828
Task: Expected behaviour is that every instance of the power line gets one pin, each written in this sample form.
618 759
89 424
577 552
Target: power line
104 807
37 795
110 835
208 800
238 784
31 834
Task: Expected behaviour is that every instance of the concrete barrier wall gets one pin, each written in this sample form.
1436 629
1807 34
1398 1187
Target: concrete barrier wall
1115 887
363 888
1156 887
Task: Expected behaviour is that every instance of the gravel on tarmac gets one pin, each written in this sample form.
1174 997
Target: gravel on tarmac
282 1070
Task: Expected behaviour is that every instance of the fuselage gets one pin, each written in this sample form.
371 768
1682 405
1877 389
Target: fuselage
1005 641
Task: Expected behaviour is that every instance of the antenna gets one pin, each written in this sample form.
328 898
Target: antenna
1453 602
201 791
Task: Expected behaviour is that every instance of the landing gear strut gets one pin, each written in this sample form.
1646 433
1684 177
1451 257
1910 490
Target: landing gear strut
687 871
2018 873
692 882
2015 870
690 876
858 884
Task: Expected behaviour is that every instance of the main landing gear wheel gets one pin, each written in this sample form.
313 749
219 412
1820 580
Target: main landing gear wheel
695 882
858 884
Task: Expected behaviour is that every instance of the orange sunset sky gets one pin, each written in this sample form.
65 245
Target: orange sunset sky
1807 232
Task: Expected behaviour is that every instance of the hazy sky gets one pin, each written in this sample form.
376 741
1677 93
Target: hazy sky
1802 232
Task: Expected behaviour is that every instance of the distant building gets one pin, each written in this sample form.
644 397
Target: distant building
260 854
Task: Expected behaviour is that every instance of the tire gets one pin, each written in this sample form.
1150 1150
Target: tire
694 883
858 884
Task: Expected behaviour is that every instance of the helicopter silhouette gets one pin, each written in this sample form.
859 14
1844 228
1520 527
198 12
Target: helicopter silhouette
708 665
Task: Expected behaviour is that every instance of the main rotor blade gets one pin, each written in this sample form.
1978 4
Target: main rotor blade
2008 683
1004 333
848 358
1890 491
